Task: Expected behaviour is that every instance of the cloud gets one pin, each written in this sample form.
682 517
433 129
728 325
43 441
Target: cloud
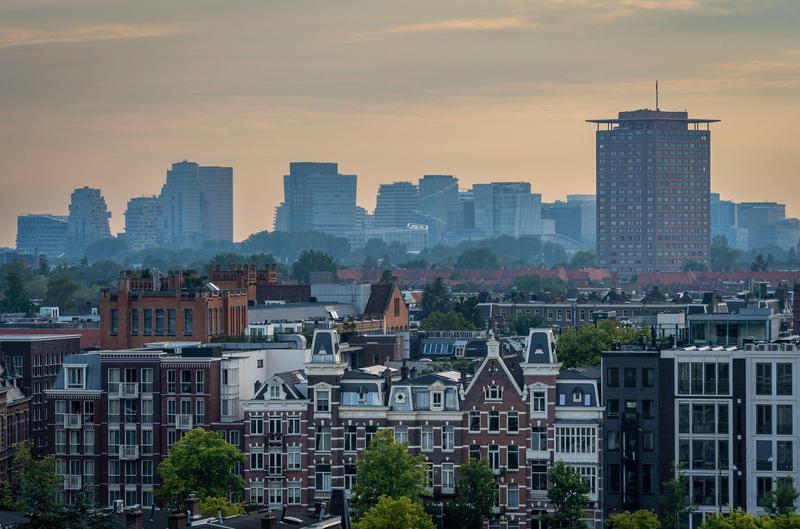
456 24
20 36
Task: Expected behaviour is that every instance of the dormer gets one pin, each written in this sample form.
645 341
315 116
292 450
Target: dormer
75 376
493 392
437 397
541 348
324 359
274 390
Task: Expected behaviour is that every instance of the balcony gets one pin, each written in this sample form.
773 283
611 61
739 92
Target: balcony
72 421
322 494
275 438
183 421
448 490
537 455
537 494
577 457
72 482
128 452
129 390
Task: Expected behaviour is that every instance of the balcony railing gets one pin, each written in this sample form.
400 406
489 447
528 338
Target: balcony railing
129 390
183 421
72 482
321 494
72 421
128 452
275 438
533 454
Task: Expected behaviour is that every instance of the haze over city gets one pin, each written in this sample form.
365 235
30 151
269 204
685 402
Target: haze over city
109 96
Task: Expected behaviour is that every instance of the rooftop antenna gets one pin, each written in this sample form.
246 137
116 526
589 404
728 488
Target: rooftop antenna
656 95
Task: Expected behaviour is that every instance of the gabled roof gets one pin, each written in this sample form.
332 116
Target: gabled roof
290 381
579 373
379 298
428 380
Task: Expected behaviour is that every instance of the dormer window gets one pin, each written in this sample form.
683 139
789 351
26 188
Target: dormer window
577 396
400 398
76 378
494 392
274 391
437 400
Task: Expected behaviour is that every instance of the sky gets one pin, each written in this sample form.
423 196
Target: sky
109 93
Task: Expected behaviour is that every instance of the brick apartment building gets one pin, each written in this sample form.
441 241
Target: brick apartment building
303 429
178 306
14 420
243 277
36 361
386 303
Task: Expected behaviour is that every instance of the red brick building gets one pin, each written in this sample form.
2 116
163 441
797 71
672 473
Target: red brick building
386 304
178 306
14 421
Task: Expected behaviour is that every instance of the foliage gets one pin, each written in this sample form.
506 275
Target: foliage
723 257
568 494
675 502
395 513
759 264
448 321
584 345
386 468
469 309
63 288
105 249
288 246
536 283
783 499
15 297
7 501
475 496
736 519
312 261
416 264
694 266
232 259
209 507
523 323
785 521
201 462
478 258
641 519
435 297
583 259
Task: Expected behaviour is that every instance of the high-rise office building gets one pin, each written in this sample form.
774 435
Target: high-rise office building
318 198
216 185
725 223
653 180
182 219
438 197
506 208
42 234
396 205
88 220
141 222
757 218
588 206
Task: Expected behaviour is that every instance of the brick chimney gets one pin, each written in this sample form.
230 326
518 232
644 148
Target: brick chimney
133 518
269 522
192 506
176 520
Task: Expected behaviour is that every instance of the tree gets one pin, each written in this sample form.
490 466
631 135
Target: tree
723 257
675 502
694 266
736 519
759 264
535 283
583 346
449 321
15 298
523 323
568 494
395 513
211 505
62 289
202 463
435 297
782 500
476 494
312 261
479 258
386 468
469 309
641 519
583 259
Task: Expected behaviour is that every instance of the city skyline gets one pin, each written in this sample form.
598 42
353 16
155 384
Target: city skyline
500 93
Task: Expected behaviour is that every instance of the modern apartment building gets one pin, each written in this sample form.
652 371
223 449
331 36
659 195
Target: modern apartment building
303 429
506 208
182 221
141 222
42 234
88 220
14 418
653 189
397 205
216 186
318 198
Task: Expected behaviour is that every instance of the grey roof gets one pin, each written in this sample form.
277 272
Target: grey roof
427 380
293 383
579 373
541 347
93 375
568 389
300 312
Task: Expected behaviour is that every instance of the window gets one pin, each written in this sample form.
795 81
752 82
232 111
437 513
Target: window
148 321
784 452
186 381
494 457
323 439
613 479
710 379
171 381
494 421
75 377
188 324
349 476
612 377
723 379
577 395
612 440
784 419
275 492
648 440
88 441
257 457
722 418
474 421
275 461
257 493
427 438
437 400
323 401
513 422
647 409
576 439
448 438
234 440
293 425
630 377
293 458
539 401
539 478
763 379
764 419
539 438
147 472
147 441
448 476
475 452
369 433
171 322
134 321
159 321
764 455
703 418
114 318
322 476
683 378
512 496
512 457
763 488
401 434
200 381
146 385
784 379
648 377
612 408
697 379
200 411
350 438
647 479
494 392
293 494
256 425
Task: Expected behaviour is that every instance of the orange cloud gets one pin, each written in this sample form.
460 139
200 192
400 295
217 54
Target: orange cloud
20 36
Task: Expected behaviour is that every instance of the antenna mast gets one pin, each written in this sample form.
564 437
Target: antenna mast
656 94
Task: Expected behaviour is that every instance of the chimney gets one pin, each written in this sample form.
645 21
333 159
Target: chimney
257 386
176 520
269 522
192 506
413 372
404 371
463 377
133 518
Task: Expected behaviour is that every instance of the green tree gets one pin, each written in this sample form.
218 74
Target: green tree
675 502
736 519
694 266
386 468
448 321
759 264
786 521
583 259
568 494
478 258
535 283
62 289
723 257
523 323
435 297
211 505
783 499
15 297
641 519
37 484
312 261
201 462
584 345
476 494
395 513
469 309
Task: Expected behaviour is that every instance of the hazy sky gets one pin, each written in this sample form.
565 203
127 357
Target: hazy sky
109 94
